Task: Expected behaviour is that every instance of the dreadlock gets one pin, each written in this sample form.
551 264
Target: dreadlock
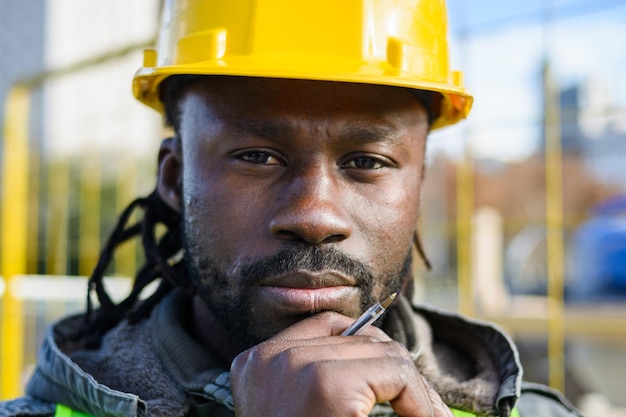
163 254
163 261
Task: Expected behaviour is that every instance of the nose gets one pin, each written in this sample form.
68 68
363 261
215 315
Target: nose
311 210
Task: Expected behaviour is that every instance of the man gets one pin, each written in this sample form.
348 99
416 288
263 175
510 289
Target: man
290 194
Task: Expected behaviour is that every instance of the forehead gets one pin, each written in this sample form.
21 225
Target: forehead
243 100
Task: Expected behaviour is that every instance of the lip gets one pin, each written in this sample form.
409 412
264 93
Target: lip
309 280
308 291
305 300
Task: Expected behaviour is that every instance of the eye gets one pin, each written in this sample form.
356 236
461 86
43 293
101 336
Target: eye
259 158
365 162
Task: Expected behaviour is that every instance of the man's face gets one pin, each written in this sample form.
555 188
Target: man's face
298 197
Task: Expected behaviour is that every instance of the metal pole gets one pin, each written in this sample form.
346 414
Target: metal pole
465 209
554 230
57 222
13 231
464 214
89 218
32 240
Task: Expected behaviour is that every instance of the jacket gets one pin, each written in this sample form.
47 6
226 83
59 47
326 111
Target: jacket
155 368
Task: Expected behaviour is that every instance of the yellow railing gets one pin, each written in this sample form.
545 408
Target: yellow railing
15 212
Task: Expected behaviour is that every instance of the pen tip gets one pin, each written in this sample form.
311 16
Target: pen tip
387 301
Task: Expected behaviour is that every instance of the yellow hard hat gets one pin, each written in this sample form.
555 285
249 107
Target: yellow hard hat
387 42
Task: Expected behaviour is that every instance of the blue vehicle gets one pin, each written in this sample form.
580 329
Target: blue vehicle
597 261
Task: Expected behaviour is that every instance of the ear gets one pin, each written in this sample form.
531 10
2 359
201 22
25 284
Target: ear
170 173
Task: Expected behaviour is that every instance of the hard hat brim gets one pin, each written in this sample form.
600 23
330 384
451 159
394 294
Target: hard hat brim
456 105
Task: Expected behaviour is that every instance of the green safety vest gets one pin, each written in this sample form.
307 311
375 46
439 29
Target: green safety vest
461 413
64 411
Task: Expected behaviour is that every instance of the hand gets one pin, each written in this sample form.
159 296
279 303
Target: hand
308 370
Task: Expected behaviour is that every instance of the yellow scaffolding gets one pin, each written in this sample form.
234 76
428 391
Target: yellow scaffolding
14 214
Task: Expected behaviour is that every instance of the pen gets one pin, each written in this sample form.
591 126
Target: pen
369 317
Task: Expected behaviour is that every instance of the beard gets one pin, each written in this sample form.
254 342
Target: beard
229 295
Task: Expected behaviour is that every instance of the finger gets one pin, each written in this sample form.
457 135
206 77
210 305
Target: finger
394 380
354 368
328 323
296 354
422 396
440 408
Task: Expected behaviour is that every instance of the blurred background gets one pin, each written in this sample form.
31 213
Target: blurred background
524 208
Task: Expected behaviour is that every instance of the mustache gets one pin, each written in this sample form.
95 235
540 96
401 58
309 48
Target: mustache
310 258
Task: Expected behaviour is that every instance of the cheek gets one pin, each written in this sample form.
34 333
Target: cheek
388 221
397 204
203 206
222 215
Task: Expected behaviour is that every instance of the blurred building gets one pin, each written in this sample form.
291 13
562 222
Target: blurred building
22 48
593 129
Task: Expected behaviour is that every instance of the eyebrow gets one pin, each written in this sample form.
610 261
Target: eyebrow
369 134
266 129
283 129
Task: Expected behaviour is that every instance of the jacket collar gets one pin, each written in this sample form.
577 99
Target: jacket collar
471 363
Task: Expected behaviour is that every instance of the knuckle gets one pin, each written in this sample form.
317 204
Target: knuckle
405 369
323 384
239 362
397 349
290 356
